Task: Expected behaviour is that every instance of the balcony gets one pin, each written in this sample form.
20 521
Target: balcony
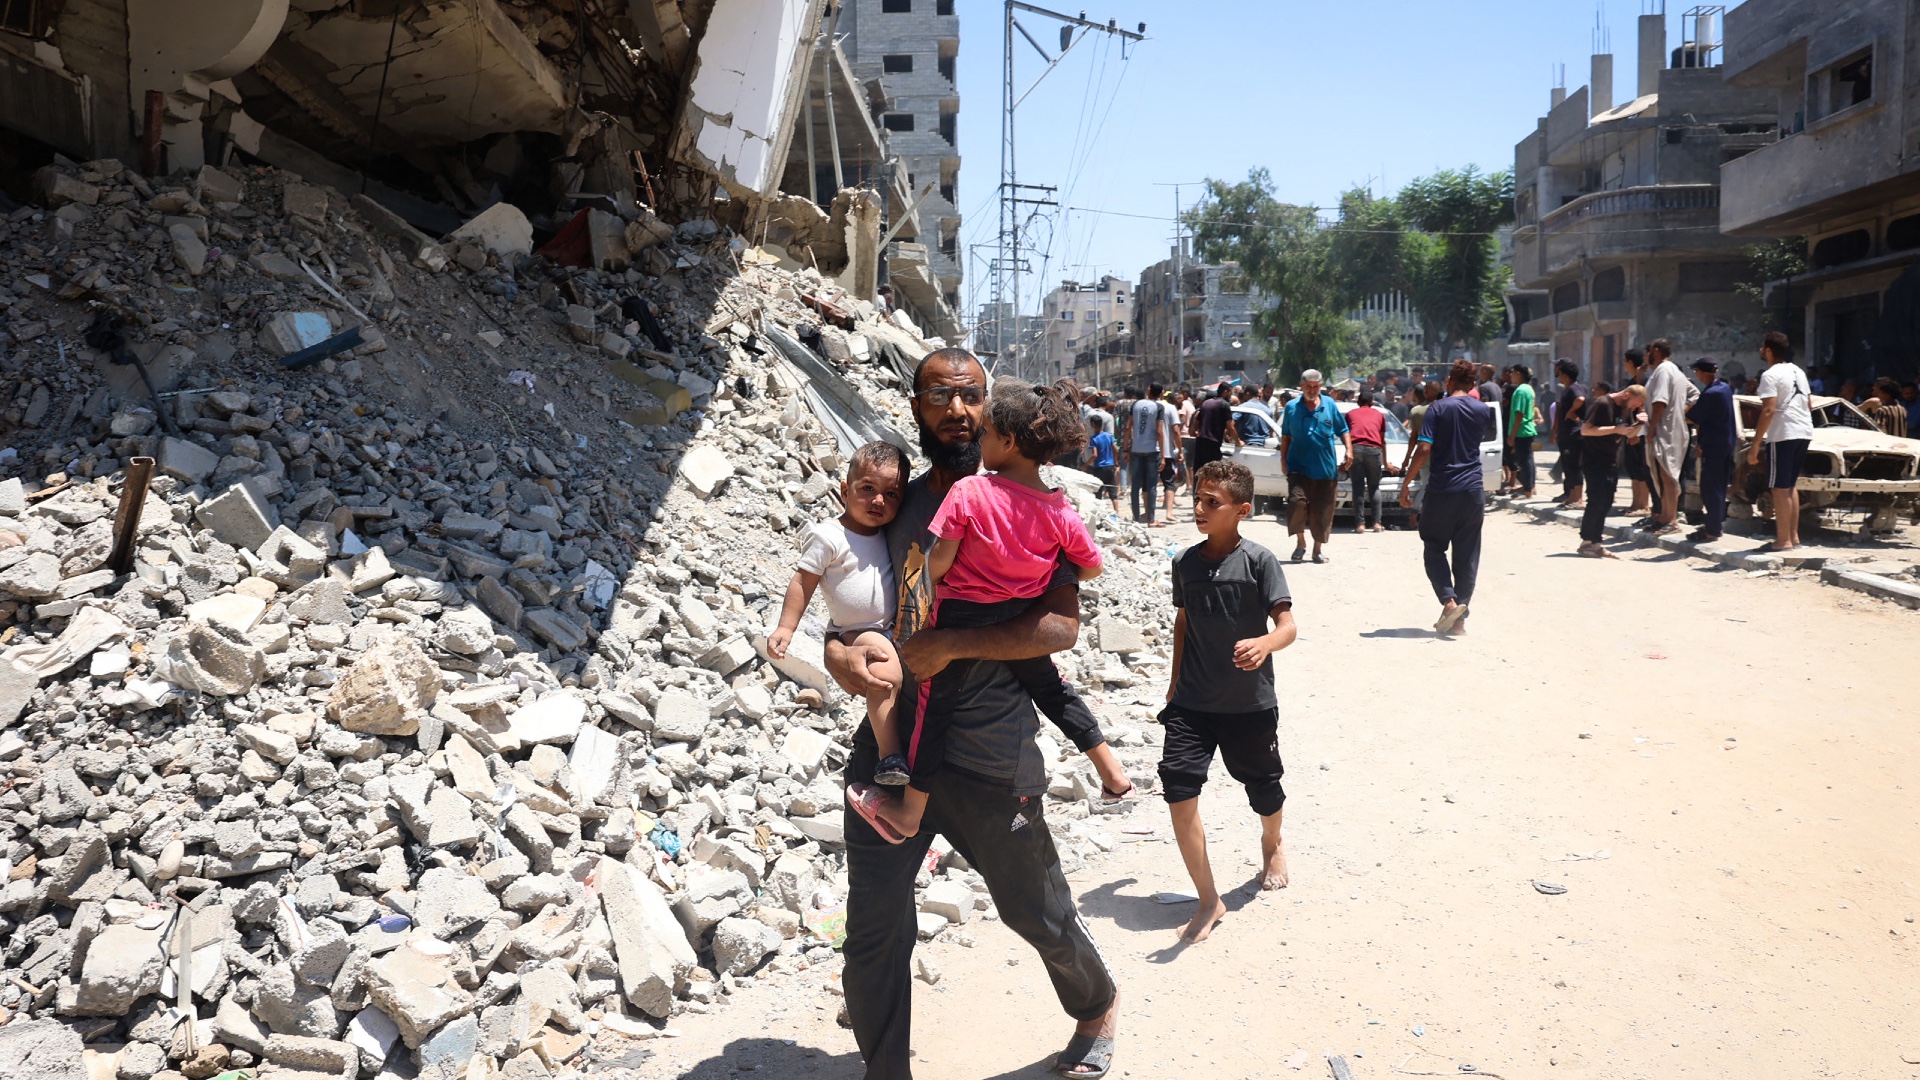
1660 198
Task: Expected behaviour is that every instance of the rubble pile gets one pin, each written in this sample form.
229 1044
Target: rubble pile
432 728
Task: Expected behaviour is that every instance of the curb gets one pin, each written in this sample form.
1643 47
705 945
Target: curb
1885 588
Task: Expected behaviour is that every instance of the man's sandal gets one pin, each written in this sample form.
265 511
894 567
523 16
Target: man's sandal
1093 1051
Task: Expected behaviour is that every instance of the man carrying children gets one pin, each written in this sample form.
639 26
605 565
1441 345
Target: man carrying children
987 797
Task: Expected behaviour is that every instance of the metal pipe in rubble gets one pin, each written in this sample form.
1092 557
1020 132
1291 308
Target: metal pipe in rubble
126 522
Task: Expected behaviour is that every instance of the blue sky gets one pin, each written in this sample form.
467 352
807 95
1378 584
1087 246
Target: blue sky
1326 96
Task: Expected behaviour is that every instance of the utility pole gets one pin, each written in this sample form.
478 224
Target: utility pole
1179 276
1008 267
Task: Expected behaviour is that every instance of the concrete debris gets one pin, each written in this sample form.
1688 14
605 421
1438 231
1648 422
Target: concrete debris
437 692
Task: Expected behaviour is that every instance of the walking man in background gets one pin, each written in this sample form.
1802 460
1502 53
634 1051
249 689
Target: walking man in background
1315 446
1416 422
1566 431
1712 417
1785 428
1151 439
1669 396
1367 424
1456 503
1884 409
1212 426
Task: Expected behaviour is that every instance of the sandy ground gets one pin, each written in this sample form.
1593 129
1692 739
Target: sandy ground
1723 772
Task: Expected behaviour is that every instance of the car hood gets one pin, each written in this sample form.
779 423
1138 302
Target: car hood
1846 439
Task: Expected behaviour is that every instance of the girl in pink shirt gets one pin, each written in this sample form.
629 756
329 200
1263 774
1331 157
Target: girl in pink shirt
1000 538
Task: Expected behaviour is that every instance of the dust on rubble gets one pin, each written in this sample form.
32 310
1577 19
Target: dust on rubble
431 723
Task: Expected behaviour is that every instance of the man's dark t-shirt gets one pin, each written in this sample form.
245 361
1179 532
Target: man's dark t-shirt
994 722
1212 422
1600 454
1226 602
1453 426
1567 418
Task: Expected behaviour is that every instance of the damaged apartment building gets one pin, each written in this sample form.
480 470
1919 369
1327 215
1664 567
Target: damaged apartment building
569 110
1617 237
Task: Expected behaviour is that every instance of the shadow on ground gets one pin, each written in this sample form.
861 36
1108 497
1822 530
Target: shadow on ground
777 1058
1400 632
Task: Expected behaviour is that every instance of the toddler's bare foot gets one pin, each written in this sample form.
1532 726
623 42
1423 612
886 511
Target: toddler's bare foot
1274 874
1204 921
904 820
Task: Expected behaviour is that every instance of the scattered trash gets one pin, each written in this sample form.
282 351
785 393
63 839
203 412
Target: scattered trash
829 924
313 354
518 377
1175 898
1549 888
1298 1060
1419 1031
351 545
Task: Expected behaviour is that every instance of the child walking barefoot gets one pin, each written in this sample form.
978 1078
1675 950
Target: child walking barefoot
1222 697
1000 539
849 554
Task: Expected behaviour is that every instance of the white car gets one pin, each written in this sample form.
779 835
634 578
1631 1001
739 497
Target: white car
1262 457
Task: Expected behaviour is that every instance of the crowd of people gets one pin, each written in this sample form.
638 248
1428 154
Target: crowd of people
947 593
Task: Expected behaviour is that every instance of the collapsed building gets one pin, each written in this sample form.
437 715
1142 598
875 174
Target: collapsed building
438 109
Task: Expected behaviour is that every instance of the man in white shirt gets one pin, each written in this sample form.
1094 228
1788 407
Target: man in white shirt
1785 427
1669 395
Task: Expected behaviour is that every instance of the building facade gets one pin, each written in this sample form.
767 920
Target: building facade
1077 313
1617 236
1200 331
1842 174
905 52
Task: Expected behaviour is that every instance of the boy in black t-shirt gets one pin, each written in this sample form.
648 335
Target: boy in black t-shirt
1227 589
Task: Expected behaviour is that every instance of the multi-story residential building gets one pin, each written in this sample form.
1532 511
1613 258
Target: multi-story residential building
1843 172
1106 358
1210 338
1617 235
1076 312
908 49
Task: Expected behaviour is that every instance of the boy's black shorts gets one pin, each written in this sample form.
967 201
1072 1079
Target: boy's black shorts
1248 742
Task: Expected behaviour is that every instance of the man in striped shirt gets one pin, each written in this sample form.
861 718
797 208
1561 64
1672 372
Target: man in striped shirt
1884 408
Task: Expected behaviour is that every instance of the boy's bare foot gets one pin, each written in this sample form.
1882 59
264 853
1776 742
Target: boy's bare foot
1274 874
1204 921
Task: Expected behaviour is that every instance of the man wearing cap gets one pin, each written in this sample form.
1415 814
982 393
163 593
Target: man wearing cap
1712 417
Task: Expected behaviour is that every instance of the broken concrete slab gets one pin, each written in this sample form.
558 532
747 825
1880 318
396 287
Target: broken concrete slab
416 989
648 942
705 468
189 461
555 718
41 1050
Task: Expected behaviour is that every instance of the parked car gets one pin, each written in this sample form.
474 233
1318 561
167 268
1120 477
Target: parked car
1851 466
1270 473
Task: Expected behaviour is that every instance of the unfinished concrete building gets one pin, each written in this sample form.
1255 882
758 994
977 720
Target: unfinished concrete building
1076 313
437 110
1211 336
906 50
1617 210
1842 174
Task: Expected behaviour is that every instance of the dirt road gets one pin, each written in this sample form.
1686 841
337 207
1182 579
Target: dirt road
1723 772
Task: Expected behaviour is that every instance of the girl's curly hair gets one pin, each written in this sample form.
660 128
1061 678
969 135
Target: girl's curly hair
1043 420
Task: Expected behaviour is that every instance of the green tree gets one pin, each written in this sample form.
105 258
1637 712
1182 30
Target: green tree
1288 256
1377 344
1451 269
1771 260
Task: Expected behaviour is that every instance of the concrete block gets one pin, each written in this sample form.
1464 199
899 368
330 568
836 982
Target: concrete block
952 900
239 517
304 200
500 228
1119 636
417 991
705 468
555 718
380 693
216 186
413 244
189 251
593 759
188 461
607 240
287 332
680 717
729 656
806 748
